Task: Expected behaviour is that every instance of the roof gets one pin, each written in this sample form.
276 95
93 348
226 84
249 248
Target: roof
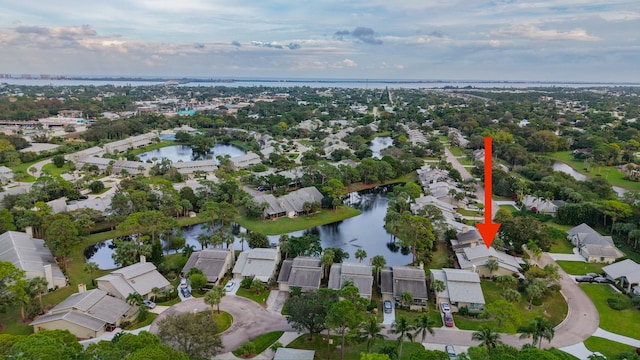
211 261
462 286
602 250
140 278
304 272
293 354
74 317
469 236
586 235
627 268
359 274
478 256
386 281
260 263
291 202
411 279
27 253
95 303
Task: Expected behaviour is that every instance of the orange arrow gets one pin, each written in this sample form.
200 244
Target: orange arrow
488 230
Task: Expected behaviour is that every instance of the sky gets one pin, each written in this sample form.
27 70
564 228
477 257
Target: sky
512 40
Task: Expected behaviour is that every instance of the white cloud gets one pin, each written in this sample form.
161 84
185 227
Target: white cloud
533 32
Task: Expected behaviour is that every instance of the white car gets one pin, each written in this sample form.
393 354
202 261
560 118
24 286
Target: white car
183 284
150 304
445 307
229 286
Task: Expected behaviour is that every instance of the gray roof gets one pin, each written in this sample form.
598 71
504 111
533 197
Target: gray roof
463 286
587 236
469 236
95 303
305 272
291 202
210 261
386 281
28 254
411 279
260 263
479 255
627 268
140 278
359 274
602 250
74 317
293 354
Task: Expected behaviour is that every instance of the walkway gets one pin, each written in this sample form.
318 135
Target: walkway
568 257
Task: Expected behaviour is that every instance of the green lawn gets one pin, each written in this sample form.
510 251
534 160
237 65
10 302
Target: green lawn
413 316
580 268
562 247
465 212
137 325
144 149
286 225
507 207
223 319
441 257
554 308
607 347
630 252
351 351
610 173
53 170
263 341
260 298
624 322
456 151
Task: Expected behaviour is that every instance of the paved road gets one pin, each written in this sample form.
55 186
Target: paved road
38 166
249 319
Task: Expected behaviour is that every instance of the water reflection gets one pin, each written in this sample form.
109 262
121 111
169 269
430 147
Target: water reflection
177 153
378 144
365 231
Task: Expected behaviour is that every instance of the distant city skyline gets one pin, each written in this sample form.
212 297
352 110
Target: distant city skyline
506 40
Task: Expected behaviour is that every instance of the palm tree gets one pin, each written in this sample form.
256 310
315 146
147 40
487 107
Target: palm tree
36 287
155 291
135 299
406 297
378 262
187 250
214 297
492 265
402 327
538 329
438 286
327 261
90 267
360 254
487 337
370 330
423 326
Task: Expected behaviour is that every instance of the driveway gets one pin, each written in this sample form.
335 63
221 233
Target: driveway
568 257
249 319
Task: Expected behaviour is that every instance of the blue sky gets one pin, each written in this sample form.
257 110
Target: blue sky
541 40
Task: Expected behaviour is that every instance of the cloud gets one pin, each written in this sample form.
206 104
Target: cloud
294 46
349 63
339 35
236 43
364 34
438 34
198 46
533 32
32 30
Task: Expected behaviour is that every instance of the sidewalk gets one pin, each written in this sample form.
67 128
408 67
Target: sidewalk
615 337
568 257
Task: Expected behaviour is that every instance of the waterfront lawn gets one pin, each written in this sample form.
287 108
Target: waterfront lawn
553 307
607 347
286 225
351 351
156 146
580 268
441 257
623 322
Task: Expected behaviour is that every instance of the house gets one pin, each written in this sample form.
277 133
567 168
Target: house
95 151
291 204
188 168
6 174
283 353
359 274
467 238
129 143
86 314
262 264
304 272
626 274
140 278
98 204
593 246
243 161
32 256
540 205
214 263
398 279
462 288
475 259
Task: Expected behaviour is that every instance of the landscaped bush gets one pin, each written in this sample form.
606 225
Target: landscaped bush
372 305
619 302
246 349
246 282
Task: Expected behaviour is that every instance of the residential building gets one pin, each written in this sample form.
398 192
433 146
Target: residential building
625 274
243 161
95 151
462 288
304 272
189 168
32 256
129 143
262 264
541 206
475 259
6 174
398 279
87 314
467 238
358 274
214 263
291 204
593 246
140 278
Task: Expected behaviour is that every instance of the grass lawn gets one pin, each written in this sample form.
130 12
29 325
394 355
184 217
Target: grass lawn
611 173
137 325
351 351
286 225
580 268
456 151
263 341
607 347
260 298
554 308
561 247
465 212
630 253
170 302
441 257
507 207
144 149
223 319
624 322
413 316
56 171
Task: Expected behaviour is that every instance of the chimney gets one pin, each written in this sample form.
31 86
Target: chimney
422 265
29 230
48 275
473 244
82 288
143 259
465 229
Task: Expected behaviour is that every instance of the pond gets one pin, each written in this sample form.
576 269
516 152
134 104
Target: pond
562 167
365 231
184 153
378 144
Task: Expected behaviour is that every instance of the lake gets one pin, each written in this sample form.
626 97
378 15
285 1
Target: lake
365 231
565 168
184 153
378 144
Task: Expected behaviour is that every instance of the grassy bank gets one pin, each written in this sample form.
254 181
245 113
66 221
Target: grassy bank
286 225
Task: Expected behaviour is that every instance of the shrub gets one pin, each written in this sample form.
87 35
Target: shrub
372 305
619 302
246 349
246 282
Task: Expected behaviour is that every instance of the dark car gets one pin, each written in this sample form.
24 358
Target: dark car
185 292
593 275
600 280
584 278
388 306
262 188
448 320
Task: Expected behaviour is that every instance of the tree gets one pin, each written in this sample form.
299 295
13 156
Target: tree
374 356
258 240
327 260
487 337
406 297
493 265
129 252
370 330
402 328
535 289
308 311
197 281
506 314
343 315
361 254
96 186
12 285
417 234
335 189
58 161
46 345
194 334
257 286
90 267
378 262
36 287
62 236
423 326
537 329
214 297
438 286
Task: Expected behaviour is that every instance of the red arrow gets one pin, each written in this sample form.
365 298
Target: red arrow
488 230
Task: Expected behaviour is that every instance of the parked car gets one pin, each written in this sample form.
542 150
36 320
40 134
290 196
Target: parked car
600 280
445 307
185 292
450 351
148 303
262 188
388 307
448 319
584 278
229 286
593 275
184 284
